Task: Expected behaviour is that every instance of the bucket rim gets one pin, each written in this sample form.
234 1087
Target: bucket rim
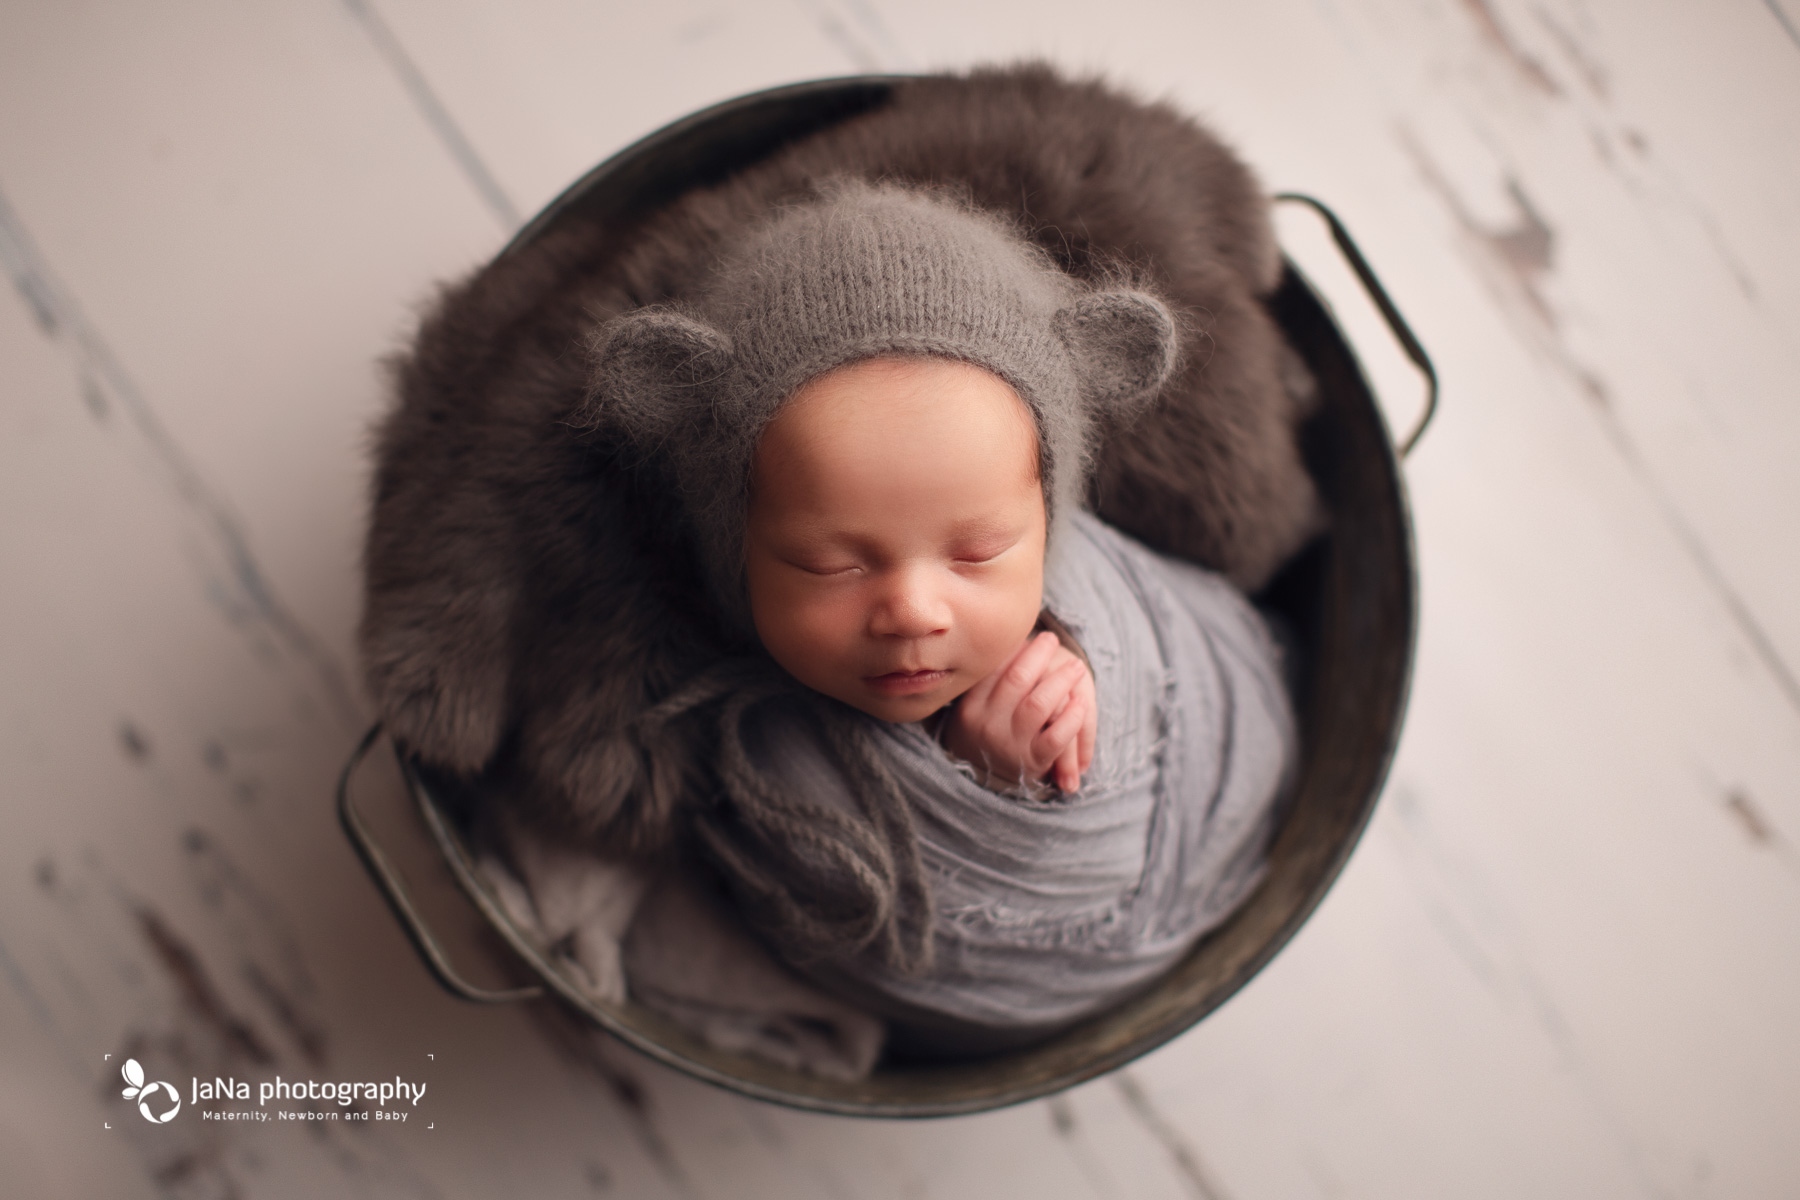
624 179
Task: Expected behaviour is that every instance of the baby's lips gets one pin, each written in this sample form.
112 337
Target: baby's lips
894 671
901 683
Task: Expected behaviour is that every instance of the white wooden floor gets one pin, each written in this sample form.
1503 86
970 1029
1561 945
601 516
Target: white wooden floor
1565 961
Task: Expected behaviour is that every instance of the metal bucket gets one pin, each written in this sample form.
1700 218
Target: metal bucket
1351 600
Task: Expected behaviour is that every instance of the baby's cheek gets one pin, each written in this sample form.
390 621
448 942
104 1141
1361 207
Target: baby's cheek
1008 625
802 631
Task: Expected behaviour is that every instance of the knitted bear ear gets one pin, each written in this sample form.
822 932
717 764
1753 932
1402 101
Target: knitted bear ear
652 374
1124 345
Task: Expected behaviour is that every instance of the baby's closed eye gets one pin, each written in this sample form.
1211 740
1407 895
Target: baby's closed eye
824 568
977 551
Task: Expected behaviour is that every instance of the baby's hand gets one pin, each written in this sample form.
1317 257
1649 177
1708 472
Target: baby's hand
1035 712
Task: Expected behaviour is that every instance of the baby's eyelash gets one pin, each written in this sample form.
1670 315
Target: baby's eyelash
979 557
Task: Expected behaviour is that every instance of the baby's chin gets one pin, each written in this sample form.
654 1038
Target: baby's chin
901 700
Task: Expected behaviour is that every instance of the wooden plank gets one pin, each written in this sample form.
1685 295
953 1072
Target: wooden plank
1566 960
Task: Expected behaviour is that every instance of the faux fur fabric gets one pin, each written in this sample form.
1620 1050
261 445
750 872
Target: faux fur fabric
530 601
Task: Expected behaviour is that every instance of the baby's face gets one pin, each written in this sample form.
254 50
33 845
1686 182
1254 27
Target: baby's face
895 544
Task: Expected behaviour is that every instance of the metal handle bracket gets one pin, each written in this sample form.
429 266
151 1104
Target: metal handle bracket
1402 331
393 890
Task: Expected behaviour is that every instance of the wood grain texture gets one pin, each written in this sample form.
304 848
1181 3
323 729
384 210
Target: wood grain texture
1564 962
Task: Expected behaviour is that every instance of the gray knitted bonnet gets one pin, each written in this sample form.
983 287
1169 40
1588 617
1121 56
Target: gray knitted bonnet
865 270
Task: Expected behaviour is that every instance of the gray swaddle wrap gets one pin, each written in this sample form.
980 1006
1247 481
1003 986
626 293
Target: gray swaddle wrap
1043 911
1036 912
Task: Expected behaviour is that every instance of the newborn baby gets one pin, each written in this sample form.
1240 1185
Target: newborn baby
878 419
730 597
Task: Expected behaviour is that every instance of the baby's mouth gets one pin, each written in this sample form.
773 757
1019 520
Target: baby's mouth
906 683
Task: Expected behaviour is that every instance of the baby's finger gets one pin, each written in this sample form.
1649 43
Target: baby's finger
1090 725
980 698
1068 773
1058 736
1021 673
1048 700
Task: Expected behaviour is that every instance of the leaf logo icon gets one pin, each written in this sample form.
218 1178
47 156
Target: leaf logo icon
134 1075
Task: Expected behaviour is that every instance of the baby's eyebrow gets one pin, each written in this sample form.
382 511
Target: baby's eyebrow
984 523
814 533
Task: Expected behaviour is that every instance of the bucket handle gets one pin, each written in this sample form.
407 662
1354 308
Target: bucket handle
393 890
1402 331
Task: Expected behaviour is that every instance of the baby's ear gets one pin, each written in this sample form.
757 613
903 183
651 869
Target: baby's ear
1124 345
652 374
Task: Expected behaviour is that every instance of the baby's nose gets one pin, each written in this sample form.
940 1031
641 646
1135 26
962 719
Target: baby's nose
909 608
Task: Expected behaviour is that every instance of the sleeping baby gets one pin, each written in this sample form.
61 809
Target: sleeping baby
812 558
1001 764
